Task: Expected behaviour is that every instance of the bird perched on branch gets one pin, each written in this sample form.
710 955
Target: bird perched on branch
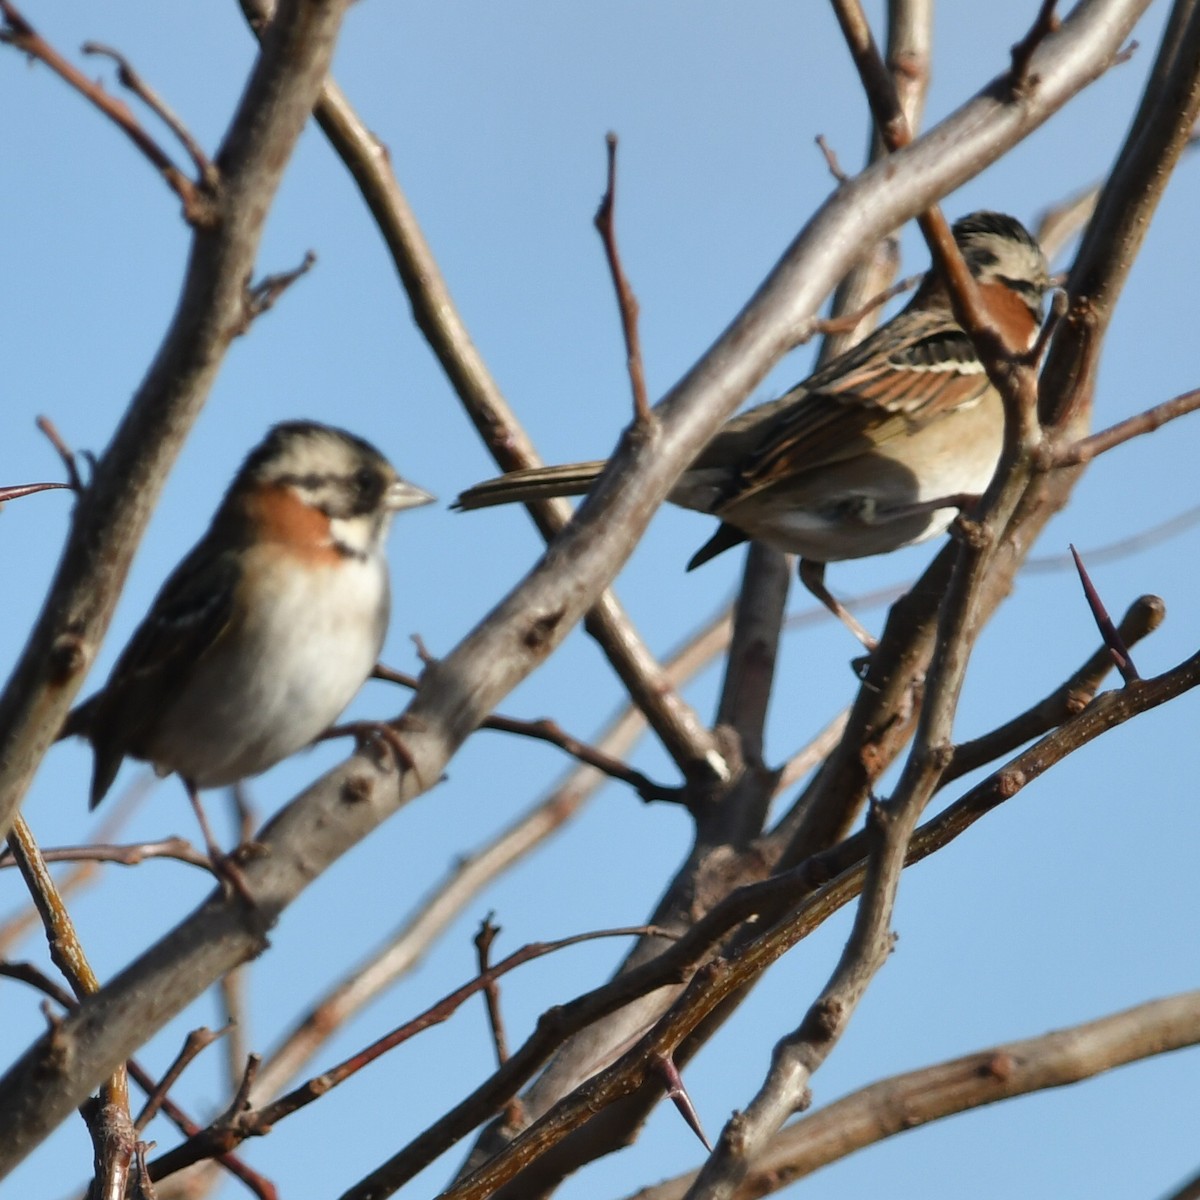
877 450
266 630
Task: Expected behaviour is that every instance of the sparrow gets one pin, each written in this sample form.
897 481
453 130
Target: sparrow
879 449
267 628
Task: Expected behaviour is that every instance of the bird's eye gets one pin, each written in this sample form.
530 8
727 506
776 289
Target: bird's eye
367 484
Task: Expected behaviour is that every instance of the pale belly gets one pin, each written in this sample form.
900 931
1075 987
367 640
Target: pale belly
299 660
878 502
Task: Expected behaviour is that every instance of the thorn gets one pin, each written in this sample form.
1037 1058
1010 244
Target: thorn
664 1066
1108 631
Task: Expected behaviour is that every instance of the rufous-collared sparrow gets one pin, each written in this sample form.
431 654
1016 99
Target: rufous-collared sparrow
266 630
877 450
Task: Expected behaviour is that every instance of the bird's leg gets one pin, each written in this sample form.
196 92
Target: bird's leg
812 575
223 866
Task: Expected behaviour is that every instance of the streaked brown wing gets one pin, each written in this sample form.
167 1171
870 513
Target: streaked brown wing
881 389
189 615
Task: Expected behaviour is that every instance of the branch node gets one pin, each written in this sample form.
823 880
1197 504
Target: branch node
260 297
1021 81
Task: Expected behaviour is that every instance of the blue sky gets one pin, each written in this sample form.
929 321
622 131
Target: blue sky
1078 898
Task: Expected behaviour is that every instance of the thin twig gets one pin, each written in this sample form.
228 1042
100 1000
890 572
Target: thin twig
626 300
1144 616
197 1041
1084 450
543 729
831 160
261 297
17 490
238 1123
69 459
491 990
845 322
139 87
175 848
17 32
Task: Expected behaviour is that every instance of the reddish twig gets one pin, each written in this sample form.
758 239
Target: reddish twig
129 78
626 300
491 991
847 321
544 729
17 490
1108 631
895 133
18 33
195 1042
236 1125
1084 450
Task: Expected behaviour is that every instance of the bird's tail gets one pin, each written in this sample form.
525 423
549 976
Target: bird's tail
535 483
79 722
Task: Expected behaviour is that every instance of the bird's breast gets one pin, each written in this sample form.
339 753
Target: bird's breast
302 642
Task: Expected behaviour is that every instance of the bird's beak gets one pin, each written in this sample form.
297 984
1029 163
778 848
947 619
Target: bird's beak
401 494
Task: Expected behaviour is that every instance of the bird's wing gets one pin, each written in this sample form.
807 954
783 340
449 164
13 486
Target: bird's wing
891 384
189 616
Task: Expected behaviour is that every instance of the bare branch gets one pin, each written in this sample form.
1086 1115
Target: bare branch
543 729
197 1041
491 992
1143 617
198 206
626 300
903 1102
240 1122
139 87
175 848
17 490
1084 450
